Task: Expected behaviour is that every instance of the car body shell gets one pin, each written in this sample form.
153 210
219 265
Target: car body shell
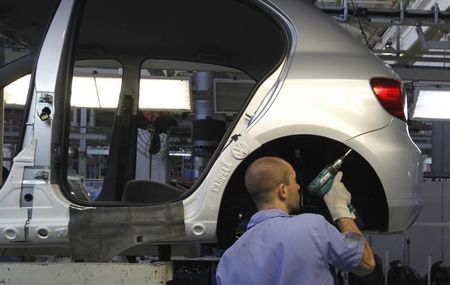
320 89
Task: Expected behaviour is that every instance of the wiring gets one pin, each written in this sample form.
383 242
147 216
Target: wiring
363 33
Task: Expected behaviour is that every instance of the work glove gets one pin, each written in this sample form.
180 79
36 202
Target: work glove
338 199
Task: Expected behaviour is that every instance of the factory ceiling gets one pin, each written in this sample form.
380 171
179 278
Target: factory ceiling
401 32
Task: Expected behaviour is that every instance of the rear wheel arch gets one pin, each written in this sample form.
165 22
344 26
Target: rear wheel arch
308 154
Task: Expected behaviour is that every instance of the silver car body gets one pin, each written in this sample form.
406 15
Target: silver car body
320 89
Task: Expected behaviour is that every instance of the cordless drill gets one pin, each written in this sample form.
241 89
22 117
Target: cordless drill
323 182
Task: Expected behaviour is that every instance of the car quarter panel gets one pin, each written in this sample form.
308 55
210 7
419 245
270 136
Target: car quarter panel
337 109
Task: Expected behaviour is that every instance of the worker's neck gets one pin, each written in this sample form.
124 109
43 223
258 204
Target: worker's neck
279 206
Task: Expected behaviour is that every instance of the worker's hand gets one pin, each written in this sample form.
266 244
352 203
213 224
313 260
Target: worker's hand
338 199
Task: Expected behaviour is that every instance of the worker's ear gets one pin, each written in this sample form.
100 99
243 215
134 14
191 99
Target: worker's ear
282 191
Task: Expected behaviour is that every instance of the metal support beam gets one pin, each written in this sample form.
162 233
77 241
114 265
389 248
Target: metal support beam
423 74
445 45
412 58
86 273
402 17
82 164
434 53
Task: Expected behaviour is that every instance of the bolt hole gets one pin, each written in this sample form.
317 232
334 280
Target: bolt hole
10 234
28 197
139 239
43 233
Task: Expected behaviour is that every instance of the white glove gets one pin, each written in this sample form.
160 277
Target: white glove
338 199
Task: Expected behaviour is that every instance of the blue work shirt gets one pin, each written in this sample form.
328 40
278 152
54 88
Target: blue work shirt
281 249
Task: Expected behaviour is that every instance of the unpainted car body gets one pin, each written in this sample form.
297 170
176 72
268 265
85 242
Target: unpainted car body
313 100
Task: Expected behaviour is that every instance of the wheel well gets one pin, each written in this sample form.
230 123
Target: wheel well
308 155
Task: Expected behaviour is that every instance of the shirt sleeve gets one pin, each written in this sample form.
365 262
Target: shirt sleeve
343 250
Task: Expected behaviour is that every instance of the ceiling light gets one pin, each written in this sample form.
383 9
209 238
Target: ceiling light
165 94
103 92
95 92
432 105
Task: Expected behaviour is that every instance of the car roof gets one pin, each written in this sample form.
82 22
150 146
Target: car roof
25 21
226 32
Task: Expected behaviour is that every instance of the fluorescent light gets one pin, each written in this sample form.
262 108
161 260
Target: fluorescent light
86 92
432 104
165 94
15 93
101 92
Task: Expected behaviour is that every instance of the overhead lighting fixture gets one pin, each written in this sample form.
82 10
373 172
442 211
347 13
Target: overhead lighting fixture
103 92
165 94
95 92
432 105
87 91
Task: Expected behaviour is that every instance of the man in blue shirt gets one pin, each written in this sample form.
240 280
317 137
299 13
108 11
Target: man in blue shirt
279 248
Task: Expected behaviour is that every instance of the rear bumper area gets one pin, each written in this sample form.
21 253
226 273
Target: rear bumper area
398 164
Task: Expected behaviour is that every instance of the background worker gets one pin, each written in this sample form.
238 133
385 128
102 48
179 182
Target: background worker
280 248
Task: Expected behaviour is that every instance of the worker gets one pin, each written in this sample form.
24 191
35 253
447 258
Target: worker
281 248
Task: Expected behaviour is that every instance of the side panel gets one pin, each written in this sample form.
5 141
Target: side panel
13 214
98 234
338 109
30 208
202 207
36 209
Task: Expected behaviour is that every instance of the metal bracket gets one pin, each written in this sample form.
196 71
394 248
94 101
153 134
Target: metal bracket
27 196
31 177
45 98
41 175
35 175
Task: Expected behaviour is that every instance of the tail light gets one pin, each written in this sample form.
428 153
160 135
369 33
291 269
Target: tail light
390 94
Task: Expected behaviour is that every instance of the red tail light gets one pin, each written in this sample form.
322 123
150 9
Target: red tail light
390 94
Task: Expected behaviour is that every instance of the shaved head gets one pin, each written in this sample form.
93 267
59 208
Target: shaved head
263 176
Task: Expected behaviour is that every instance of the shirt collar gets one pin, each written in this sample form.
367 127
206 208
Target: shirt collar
264 215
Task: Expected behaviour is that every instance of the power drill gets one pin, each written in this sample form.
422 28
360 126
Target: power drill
323 182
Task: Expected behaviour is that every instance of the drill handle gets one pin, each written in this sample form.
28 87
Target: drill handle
327 187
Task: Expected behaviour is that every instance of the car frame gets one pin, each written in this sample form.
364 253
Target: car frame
314 99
